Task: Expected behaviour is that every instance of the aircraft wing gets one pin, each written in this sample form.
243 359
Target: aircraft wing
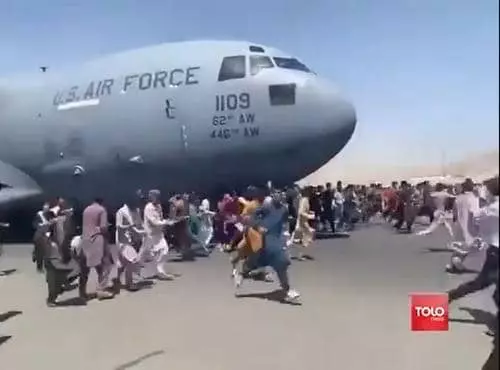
16 186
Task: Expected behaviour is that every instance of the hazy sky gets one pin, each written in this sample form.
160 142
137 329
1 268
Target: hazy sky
423 74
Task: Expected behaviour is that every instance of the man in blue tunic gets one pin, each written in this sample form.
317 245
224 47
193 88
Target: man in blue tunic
270 220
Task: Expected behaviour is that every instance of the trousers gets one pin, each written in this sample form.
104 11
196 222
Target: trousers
327 216
275 258
486 277
103 271
439 219
57 277
157 247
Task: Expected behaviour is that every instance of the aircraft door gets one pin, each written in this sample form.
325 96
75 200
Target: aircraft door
175 117
173 114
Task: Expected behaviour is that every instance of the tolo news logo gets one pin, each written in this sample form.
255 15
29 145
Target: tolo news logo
429 312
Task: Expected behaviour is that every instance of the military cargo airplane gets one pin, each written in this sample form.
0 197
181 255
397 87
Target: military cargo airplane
198 115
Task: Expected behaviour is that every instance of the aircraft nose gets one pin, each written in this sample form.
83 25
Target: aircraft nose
343 117
336 119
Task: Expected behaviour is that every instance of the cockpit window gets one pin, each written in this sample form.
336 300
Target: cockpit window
282 94
232 68
259 62
256 49
290 63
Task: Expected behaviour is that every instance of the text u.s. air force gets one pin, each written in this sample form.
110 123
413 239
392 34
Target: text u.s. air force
141 81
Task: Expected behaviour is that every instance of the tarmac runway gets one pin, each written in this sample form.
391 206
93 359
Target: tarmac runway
354 315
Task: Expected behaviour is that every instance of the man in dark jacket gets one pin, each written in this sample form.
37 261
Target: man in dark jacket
291 199
55 239
3 225
327 203
405 212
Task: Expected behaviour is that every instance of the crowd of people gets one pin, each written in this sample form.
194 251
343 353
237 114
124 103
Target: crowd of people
259 229
144 234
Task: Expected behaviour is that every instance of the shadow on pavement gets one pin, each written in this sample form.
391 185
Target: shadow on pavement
4 338
139 360
437 250
464 271
329 235
275 296
305 257
479 317
71 302
8 315
7 272
145 284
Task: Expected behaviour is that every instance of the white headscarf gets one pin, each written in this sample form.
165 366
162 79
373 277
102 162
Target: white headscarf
267 201
205 205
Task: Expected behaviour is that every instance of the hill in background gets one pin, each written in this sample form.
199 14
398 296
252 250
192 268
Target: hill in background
479 165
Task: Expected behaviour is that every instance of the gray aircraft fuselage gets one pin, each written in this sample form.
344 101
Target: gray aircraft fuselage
189 116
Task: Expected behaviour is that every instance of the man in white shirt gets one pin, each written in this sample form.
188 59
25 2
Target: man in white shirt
487 218
154 241
206 224
463 211
481 192
129 238
466 239
439 197
338 203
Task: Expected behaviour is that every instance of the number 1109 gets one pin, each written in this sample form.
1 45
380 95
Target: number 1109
232 102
